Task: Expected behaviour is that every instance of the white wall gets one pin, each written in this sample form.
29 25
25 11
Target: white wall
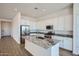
16 27
76 30
21 20
61 20
28 21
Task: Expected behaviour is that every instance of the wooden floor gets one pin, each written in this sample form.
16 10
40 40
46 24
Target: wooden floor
9 47
63 52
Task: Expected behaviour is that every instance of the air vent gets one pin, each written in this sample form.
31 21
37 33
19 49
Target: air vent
36 8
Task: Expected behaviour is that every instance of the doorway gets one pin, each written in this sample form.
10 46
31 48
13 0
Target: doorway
5 29
24 31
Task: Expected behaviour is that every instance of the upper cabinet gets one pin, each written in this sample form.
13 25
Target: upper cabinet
55 21
68 23
64 23
60 23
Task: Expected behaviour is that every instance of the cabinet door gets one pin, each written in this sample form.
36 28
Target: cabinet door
68 44
55 23
68 23
60 23
65 42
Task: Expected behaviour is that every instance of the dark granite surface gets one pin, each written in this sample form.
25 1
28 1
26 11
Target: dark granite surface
45 43
63 35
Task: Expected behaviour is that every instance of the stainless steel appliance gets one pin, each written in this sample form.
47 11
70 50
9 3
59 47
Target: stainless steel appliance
24 31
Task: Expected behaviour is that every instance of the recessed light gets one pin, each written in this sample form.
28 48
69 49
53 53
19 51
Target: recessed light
15 9
43 9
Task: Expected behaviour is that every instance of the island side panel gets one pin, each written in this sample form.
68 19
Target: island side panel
36 50
55 50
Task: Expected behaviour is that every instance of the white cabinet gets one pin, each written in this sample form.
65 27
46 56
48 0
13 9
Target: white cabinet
63 23
55 50
68 23
65 42
68 43
60 23
55 23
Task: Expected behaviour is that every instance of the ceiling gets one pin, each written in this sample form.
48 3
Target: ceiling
36 10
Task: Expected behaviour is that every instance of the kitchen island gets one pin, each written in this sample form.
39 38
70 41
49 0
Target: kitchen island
41 46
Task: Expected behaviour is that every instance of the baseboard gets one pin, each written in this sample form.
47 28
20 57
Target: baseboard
16 40
73 53
6 36
66 49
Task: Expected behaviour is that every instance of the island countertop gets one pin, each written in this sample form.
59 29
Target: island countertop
45 43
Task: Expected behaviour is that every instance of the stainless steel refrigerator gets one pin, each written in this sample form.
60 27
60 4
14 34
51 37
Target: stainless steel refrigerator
24 31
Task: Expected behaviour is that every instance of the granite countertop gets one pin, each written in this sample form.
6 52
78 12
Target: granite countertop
42 42
56 34
64 35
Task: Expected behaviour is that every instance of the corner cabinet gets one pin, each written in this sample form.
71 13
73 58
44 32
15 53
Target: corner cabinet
65 42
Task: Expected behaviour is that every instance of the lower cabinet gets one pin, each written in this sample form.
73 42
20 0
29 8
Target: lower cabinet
65 42
68 43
